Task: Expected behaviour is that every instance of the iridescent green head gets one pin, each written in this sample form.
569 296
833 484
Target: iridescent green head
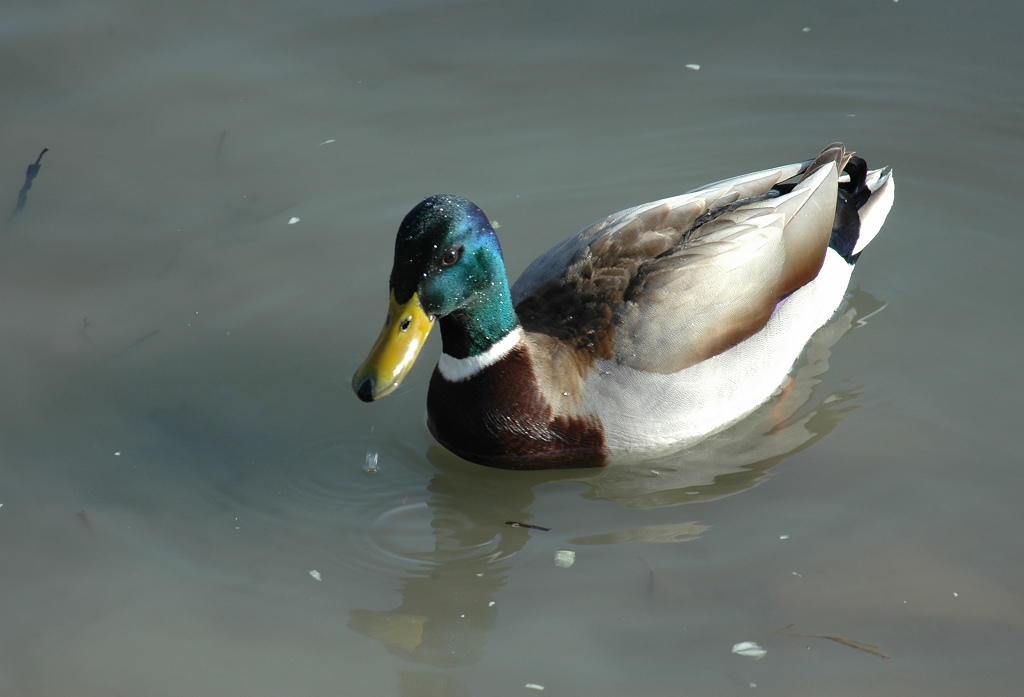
448 265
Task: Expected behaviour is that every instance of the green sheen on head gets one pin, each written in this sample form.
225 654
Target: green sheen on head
448 254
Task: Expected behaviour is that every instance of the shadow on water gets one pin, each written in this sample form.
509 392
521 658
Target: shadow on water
449 605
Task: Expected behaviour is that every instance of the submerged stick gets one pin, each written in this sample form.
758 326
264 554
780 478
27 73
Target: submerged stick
655 579
30 174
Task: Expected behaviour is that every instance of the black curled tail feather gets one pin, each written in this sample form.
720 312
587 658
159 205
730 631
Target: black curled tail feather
852 195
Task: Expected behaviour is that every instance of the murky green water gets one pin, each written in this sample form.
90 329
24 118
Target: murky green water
186 507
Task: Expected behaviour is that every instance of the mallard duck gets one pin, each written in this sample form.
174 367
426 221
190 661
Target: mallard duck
650 329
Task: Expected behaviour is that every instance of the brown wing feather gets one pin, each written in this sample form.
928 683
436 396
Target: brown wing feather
722 285
580 307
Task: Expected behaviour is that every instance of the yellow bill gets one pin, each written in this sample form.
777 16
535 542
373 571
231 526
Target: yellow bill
405 331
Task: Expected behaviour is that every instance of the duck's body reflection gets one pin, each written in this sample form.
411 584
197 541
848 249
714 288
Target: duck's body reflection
446 611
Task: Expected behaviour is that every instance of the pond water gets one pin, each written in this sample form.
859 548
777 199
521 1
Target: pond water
193 502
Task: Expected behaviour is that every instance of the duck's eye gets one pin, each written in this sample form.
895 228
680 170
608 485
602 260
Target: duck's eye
452 255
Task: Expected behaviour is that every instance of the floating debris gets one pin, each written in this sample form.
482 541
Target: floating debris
293 220
517 524
326 142
564 558
533 686
750 649
315 574
852 643
693 66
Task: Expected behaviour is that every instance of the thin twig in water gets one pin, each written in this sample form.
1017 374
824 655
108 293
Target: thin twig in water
142 339
517 524
852 643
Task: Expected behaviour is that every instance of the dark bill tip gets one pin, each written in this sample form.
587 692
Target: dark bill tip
364 390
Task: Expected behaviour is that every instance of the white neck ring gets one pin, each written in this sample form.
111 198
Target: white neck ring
459 369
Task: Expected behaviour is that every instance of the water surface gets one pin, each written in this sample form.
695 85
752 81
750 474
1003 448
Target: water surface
180 450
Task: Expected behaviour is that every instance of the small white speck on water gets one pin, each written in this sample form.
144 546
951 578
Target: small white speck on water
315 574
293 220
797 575
806 30
490 604
564 558
783 537
693 66
370 467
533 686
326 142
117 453
955 594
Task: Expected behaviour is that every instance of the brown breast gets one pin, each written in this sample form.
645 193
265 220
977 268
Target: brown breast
499 418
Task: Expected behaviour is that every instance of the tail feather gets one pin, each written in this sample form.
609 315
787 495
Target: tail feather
865 198
872 214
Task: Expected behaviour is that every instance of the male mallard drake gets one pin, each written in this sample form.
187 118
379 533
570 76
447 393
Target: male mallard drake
654 327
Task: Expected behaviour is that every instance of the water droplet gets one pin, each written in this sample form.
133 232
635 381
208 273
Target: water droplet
371 462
